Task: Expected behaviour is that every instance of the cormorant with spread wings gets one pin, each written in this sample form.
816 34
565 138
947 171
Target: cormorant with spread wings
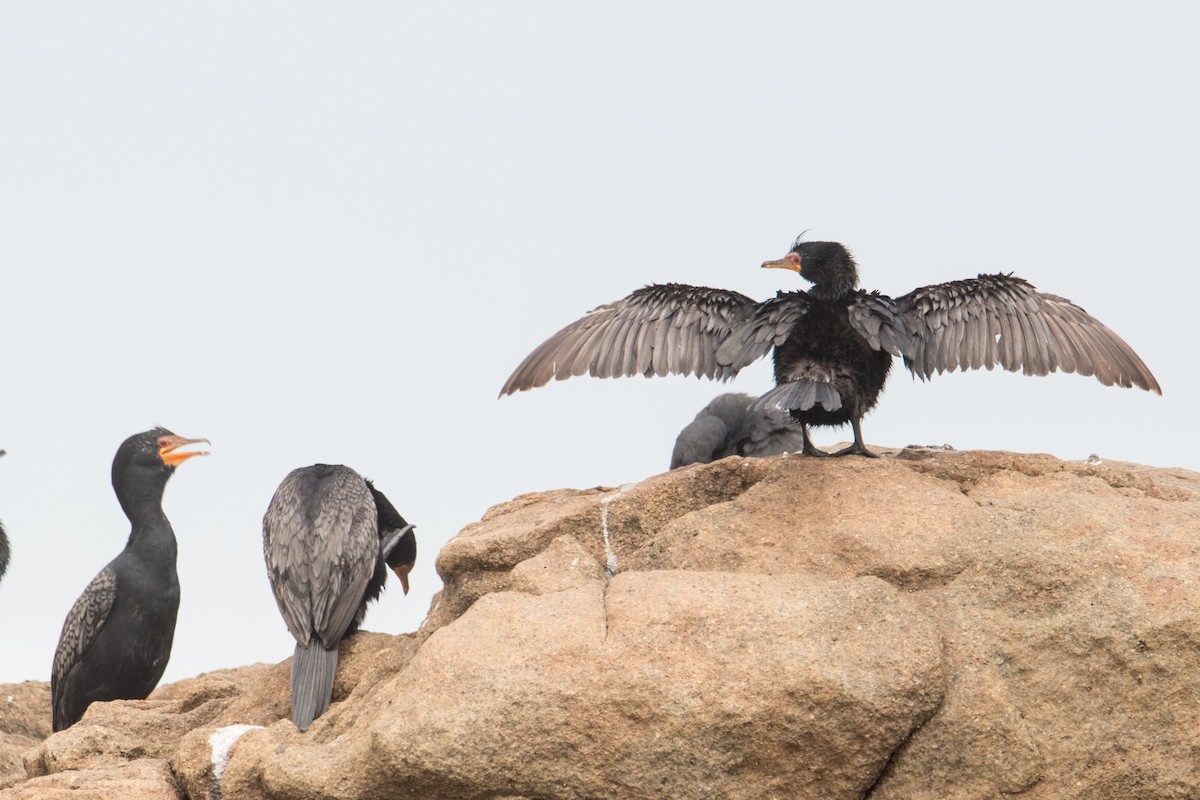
833 345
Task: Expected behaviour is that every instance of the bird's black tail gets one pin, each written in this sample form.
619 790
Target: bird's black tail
313 668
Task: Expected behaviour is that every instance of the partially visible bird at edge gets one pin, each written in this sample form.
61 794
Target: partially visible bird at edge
329 537
833 345
116 640
5 549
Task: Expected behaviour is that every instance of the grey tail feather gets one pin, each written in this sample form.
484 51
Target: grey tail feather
313 668
800 394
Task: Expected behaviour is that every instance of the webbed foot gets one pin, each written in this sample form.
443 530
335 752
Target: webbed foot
856 449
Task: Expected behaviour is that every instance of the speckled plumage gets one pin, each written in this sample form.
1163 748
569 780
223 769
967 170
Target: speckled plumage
85 619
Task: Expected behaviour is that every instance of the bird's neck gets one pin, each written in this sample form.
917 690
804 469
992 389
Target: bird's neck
141 502
837 283
833 292
151 535
154 543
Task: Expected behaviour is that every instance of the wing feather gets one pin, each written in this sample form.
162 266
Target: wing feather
658 330
658 361
611 346
876 318
321 545
999 319
84 621
768 326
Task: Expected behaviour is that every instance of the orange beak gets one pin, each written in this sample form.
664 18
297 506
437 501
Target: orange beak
169 451
790 261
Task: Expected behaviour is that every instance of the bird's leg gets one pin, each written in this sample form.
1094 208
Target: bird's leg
858 448
808 448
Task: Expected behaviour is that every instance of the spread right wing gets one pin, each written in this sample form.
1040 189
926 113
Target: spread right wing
662 329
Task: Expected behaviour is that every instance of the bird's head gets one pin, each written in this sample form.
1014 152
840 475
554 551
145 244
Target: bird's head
397 542
828 265
156 449
147 460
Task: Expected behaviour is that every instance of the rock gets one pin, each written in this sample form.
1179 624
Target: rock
933 624
203 756
24 722
662 683
120 731
145 779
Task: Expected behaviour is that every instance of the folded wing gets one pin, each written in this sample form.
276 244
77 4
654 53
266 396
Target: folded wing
320 552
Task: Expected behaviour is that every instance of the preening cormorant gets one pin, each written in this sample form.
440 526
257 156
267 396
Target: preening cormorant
117 637
329 537
833 345
728 426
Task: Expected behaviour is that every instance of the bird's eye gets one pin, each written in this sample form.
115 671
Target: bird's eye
163 441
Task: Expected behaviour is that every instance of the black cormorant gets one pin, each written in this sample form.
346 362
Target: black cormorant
328 538
833 345
728 426
117 637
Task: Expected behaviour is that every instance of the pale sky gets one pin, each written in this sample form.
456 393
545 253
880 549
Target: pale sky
328 233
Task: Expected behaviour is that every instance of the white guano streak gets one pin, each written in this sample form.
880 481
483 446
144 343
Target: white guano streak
221 742
610 565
